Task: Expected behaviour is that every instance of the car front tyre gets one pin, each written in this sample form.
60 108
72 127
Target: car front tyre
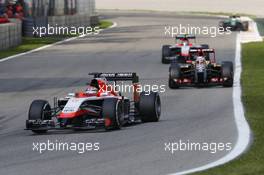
39 110
227 73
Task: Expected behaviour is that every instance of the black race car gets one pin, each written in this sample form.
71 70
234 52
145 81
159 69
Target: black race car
199 70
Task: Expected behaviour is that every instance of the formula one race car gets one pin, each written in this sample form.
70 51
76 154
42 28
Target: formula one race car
200 70
99 106
181 48
234 23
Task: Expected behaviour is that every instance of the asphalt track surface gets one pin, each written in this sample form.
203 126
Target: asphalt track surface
194 114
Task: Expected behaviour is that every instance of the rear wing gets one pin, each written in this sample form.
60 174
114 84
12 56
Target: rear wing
206 53
186 36
202 50
121 76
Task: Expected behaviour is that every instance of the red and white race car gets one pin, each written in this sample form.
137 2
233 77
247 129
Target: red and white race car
99 106
180 49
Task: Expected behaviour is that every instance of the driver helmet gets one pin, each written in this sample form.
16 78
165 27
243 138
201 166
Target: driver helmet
185 42
91 90
200 60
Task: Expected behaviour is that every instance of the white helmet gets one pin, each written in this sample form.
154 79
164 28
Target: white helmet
200 60
91 90
200 63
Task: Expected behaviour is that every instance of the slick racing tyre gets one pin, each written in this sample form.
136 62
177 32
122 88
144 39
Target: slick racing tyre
149 107
174 73
165 53
227 73
223 25
39 110
245 26
239 27
113 113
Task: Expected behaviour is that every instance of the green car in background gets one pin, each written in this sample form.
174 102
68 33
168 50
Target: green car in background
234 23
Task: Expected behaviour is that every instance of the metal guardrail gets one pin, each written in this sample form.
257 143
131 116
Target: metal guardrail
10 34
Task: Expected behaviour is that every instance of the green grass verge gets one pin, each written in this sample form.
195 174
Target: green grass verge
105 24
30 43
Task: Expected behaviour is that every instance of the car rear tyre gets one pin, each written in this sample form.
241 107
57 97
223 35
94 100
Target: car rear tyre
227 74
245 26
112 113
39 110
239 27
165 53
221 24
149 107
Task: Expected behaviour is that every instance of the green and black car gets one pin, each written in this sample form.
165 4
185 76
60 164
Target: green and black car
234 23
